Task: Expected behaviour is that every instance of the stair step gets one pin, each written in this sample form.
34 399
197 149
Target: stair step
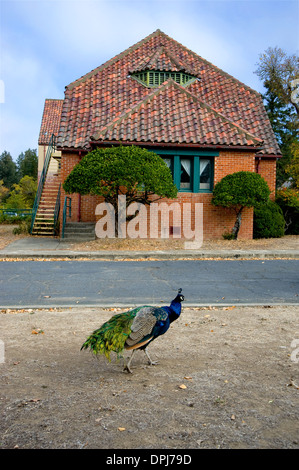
48 200
79 232
47 213
43 224
46 208
43 219
82 231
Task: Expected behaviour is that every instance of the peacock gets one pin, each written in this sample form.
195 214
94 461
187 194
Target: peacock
134 329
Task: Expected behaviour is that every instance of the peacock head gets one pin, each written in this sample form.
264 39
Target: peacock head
180 297
176 307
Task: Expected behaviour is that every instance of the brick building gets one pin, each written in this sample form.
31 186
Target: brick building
162 96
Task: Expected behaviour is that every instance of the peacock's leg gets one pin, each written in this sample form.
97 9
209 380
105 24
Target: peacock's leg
127 366
151 363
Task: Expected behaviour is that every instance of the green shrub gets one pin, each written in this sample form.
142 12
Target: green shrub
288 201
228 235
10 219
268 221
23 227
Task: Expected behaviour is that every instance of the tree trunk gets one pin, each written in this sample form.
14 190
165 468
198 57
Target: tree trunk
237 225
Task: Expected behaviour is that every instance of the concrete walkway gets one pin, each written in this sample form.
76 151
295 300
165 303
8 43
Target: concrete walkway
54 248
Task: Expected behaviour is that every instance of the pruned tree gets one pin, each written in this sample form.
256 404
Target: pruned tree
239 190
140 175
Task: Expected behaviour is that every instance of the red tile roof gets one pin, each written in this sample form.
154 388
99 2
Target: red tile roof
189 120
215 109
50 120
162 59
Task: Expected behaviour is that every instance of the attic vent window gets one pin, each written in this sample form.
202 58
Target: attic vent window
152 78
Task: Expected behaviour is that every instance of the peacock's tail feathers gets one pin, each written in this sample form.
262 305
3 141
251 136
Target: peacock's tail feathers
112 335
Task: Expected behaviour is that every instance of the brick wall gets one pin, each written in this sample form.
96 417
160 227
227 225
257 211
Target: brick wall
216 220
266 167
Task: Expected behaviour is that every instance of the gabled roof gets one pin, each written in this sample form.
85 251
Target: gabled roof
50 120
109 93
189 120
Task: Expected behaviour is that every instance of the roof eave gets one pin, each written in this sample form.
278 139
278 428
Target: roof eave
105 143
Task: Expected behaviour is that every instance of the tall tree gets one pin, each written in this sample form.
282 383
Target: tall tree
281 72
293 167
8 170
27 164
284 122
4 192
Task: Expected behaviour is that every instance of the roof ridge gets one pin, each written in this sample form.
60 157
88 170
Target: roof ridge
143 41
157 91
222 72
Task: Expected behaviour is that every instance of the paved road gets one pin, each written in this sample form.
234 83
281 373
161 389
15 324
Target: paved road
106 283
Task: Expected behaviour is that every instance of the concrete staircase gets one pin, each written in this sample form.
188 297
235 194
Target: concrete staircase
44 220
78 232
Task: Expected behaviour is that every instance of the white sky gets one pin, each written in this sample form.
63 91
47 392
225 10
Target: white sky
47 44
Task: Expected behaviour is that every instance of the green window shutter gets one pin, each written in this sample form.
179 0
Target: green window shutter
177 171
196 174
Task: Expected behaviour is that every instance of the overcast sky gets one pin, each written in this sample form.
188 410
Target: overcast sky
47 44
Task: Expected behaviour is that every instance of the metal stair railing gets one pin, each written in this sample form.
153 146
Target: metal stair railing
67 207
56 210
51 148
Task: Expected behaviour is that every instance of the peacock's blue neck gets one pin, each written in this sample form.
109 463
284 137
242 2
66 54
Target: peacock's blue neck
174 310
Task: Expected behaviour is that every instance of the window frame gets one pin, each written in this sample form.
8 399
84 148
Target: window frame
195 157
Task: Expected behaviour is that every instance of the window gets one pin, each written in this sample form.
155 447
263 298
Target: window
154 78
205 167
185 180
191 171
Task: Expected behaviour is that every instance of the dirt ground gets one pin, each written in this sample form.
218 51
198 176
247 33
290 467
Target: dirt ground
227 378
288 242
7 236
